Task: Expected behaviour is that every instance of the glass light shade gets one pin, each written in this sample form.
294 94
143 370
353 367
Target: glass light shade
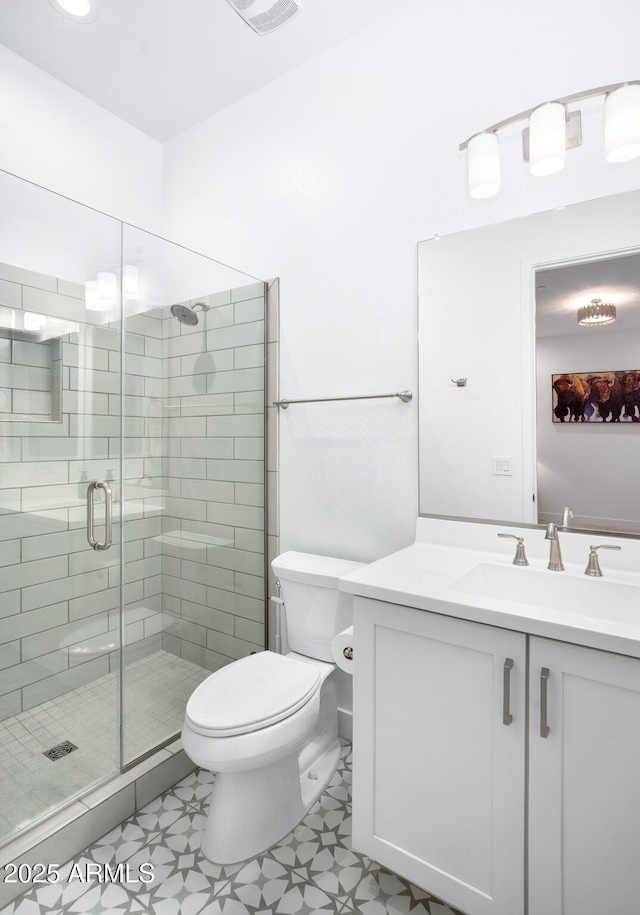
131 282
107 290
483 159
547 139
91 296
596 314
622 124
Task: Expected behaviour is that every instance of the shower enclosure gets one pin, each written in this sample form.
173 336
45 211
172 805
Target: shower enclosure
132 491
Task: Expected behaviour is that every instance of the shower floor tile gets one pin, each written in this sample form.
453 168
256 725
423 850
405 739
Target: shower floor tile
313 870
156 692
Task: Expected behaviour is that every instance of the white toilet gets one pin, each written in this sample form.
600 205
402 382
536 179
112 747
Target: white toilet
267 725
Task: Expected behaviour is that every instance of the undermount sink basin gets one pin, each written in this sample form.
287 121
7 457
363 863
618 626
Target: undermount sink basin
592 597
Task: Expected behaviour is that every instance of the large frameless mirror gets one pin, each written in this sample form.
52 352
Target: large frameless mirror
530 368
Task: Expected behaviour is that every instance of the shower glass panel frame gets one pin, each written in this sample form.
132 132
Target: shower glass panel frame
111 407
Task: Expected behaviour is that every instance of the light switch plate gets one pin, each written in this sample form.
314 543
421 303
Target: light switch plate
502 466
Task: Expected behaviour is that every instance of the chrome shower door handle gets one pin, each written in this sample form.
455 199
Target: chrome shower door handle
544 680
507 717
108 515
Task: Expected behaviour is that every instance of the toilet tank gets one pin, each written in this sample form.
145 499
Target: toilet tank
316 611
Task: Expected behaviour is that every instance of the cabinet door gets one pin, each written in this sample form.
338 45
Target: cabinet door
439 772
584 782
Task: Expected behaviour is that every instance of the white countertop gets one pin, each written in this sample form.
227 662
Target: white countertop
426 576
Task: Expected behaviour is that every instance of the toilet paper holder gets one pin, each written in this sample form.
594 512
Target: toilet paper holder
342 650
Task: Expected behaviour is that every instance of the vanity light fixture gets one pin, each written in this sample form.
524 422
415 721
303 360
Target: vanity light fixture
547 139
596 314
484 165
84 11
622 123
552 130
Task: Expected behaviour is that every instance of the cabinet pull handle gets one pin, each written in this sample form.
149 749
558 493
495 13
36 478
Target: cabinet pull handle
544 680
108 520
507 717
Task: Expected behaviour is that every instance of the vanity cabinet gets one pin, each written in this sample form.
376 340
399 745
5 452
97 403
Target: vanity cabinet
584 781
441 755
439 744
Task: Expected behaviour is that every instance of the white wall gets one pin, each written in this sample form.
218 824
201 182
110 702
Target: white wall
55 137
329 176
591 467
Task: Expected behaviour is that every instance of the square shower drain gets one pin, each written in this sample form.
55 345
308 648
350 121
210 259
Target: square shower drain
60 750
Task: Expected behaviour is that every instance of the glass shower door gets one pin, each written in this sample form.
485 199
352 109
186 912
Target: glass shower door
132 491
60 474
194 533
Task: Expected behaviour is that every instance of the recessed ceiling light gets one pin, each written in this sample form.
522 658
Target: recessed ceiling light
84 11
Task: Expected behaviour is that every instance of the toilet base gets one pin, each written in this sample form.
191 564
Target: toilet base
315 778
253 809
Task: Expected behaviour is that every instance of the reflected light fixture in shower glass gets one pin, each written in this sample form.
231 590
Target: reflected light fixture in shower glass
107 290
91 296
131 284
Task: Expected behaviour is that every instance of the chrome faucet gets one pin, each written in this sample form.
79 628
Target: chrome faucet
566 515
555 556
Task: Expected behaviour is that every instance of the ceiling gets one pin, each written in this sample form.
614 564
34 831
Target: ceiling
561 291
165 65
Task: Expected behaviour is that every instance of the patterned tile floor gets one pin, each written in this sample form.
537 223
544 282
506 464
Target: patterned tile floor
156 691
312 871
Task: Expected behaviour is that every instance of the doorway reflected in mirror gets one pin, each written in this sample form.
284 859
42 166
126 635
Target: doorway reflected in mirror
594 472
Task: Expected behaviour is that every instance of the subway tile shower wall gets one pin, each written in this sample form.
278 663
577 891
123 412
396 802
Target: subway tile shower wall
60 599
213 522
192 493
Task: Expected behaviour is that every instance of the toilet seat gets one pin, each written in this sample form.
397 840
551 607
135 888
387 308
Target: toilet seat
251 694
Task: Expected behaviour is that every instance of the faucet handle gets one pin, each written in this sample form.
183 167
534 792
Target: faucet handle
593 566
520 557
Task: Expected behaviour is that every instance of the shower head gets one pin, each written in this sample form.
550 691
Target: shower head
187 315
184 314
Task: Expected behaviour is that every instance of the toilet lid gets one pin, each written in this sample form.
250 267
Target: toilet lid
251 693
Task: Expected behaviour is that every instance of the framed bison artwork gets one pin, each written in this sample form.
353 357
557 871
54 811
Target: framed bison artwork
597 397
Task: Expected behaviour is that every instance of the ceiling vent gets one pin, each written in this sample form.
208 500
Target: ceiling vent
265 16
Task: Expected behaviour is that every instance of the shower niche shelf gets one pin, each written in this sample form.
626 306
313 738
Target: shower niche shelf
30 377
